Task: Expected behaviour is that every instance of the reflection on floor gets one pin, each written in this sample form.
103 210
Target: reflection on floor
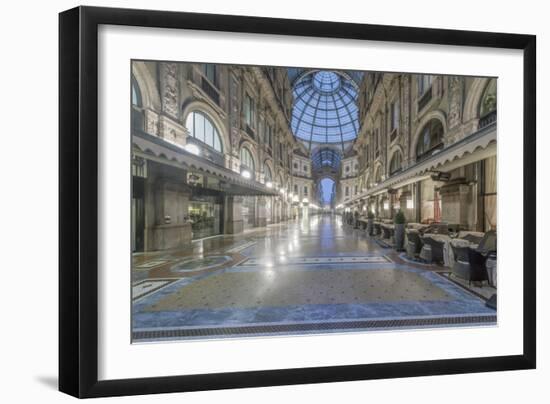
312 275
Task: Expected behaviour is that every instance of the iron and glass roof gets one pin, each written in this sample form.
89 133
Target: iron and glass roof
325 106
326 157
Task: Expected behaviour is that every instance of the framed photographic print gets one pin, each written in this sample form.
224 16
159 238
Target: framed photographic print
251 201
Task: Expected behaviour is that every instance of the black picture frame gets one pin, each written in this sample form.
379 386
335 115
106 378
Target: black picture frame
78 201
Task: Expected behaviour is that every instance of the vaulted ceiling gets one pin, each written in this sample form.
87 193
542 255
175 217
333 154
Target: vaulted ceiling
325 109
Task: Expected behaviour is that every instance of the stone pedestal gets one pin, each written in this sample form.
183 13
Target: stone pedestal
169 236
233 215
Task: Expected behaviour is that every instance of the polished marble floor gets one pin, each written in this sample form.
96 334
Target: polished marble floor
309 275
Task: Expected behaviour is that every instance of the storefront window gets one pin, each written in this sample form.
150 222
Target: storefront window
248 211
205 217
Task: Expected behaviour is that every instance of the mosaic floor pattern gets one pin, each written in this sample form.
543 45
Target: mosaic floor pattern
148 286
274 288
199 264
372 259
298 279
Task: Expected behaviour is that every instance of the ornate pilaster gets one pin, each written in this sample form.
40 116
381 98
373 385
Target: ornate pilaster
169 89
455 101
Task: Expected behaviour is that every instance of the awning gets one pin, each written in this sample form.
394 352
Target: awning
156 149
475 147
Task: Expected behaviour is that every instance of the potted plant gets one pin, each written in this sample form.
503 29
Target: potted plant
370 223
399 233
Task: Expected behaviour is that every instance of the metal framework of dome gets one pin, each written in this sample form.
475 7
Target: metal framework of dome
325 106
326 157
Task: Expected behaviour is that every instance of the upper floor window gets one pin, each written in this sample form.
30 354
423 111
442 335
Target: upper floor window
136 94
296 189
295 166
306 190
347 191
489 99
246 159
209 71
203 129
424 82
306 168
394 115
268 134
396 163
430 139
347 169
249 110
377 141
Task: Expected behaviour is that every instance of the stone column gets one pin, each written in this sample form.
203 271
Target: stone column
261 217
233 214
275 210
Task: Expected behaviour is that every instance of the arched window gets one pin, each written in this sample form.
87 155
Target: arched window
267 174
430 139
396 163
136 94
378 176
489 99
488 105
204 130
246 159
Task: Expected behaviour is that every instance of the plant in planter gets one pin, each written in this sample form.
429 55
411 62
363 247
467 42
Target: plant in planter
370 223
399 233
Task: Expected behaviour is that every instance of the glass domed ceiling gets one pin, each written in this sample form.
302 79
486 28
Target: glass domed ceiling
326 157
326 82
325 107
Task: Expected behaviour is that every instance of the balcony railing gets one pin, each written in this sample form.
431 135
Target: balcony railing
428 153
425 99
487 119
210 90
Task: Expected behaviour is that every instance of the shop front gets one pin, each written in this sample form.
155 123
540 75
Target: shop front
249 212
205 213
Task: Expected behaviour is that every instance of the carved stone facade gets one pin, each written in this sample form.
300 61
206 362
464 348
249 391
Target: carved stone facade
250 108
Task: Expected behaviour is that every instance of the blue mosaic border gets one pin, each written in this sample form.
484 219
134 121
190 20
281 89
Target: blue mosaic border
462 303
